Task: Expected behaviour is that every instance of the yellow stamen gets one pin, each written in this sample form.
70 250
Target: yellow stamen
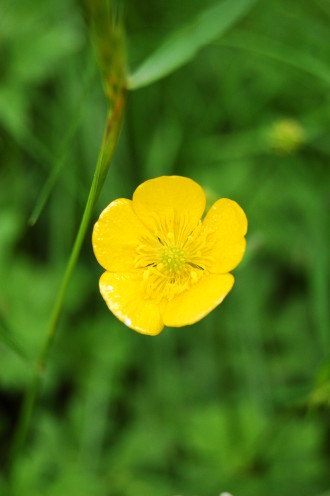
171 259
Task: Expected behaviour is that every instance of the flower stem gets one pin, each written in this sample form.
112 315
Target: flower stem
110 138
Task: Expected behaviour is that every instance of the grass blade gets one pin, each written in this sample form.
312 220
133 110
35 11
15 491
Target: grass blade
8 338
61 160
183 45
279 52
109 40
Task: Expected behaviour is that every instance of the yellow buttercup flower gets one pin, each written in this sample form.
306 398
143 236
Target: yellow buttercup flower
164 266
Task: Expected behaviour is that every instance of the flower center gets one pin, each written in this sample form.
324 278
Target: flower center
172 258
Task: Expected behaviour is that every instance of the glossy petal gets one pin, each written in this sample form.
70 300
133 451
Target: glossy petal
167 195
225 226
116 235
198 301
122 293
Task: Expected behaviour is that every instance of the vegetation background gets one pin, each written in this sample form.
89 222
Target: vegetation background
240 401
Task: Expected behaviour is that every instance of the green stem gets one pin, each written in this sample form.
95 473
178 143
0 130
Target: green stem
110 138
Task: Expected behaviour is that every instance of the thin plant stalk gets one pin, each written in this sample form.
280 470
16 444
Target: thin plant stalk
110 138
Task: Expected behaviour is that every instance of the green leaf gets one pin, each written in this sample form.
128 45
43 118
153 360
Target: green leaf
182 46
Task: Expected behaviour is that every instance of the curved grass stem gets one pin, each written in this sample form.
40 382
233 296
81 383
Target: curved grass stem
110 137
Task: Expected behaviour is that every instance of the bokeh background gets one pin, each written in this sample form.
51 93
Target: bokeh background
239 402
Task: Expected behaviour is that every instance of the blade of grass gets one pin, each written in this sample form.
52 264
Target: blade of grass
109 141
182 46
277 51
39 152
60 161
8 338
113 65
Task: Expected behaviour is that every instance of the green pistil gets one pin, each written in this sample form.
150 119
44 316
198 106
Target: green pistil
173 258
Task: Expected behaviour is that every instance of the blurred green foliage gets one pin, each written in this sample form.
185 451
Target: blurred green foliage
240 401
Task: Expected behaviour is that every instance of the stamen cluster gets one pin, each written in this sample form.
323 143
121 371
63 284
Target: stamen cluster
170 262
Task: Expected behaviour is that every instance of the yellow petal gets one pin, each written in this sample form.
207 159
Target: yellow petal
198 301
225 226
122 294
166 196
116 236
